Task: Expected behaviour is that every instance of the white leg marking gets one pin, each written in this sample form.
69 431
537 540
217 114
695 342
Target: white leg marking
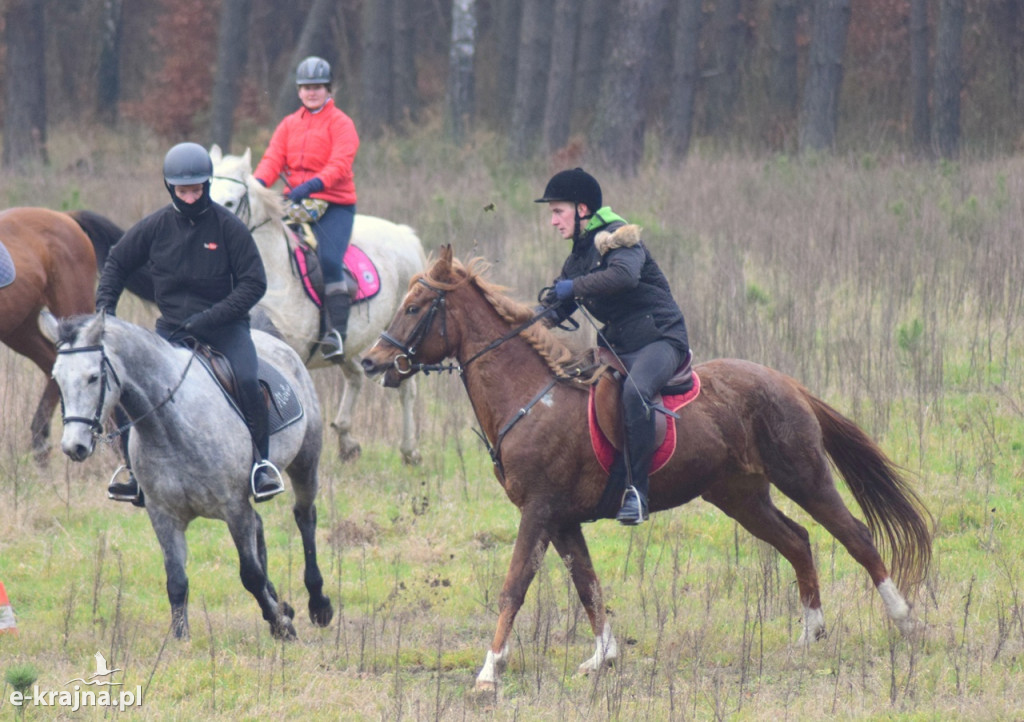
814 626
896 606
494 665
605 651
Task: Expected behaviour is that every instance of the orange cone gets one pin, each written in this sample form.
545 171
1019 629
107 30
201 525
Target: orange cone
7 622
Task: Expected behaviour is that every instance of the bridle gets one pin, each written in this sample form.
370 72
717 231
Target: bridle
95 422
404 365
244 210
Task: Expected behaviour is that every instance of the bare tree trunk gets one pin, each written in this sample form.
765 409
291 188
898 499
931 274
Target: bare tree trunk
782 88
722 82
108 75
685 74
591 54
622 104
315 39
948 77
405 105
378 28
920 115
461 73
820 113
531 80
25 97
232 54
509 19
558 106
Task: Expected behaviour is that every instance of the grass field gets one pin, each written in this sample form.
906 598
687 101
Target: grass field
891 290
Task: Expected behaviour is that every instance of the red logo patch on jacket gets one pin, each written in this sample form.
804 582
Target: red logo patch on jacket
210 246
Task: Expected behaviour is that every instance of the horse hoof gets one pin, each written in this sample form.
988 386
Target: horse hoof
412 458
349 452
287 610
321 614
283 630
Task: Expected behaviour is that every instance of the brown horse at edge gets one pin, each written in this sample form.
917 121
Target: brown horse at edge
750 428
54 256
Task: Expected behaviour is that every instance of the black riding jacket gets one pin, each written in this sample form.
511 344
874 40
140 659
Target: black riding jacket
209 262
620 284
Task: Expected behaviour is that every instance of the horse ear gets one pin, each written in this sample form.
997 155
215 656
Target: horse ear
92 333
216 154
247 158
48 325
446 254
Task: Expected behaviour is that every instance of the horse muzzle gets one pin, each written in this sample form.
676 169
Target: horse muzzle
78 442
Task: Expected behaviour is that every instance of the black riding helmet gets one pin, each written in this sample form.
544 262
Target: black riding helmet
313 71
573 186
188 164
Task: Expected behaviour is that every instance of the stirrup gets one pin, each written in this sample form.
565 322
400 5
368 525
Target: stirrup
121 490
332 346
628 515
275 476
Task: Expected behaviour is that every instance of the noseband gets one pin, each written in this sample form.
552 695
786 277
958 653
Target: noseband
95 423
403 362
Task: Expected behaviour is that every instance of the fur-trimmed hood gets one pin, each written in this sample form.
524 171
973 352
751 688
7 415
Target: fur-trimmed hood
622 237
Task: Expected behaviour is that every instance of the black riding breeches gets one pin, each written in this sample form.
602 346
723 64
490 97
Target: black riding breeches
650 368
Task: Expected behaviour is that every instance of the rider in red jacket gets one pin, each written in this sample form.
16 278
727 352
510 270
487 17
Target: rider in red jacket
312 150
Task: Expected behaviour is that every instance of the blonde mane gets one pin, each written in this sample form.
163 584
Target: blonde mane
558 357
273 202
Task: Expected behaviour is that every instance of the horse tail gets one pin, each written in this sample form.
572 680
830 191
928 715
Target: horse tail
104 233
895 514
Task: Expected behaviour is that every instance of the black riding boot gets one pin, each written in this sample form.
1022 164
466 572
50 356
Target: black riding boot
264 478
337 305
640 448
127 490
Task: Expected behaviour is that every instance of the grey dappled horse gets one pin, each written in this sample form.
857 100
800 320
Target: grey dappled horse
191 451
396 252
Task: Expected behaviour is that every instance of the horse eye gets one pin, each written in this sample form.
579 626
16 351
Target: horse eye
94 378
411 310
229 204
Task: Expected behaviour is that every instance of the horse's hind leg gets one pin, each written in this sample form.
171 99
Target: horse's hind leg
247 533
261 550
753 509
827 508
407 395
348 447
320 610
572 547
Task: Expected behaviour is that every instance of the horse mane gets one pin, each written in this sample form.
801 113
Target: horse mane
563 363
272 201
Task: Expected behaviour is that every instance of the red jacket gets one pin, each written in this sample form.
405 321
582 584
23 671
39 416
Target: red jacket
307 145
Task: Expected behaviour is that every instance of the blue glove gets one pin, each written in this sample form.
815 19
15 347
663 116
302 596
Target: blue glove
563 289
261 182
303 190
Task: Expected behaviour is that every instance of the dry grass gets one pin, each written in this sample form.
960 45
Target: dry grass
891 290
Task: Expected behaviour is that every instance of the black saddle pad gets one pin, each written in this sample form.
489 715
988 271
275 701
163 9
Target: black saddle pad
7 272
284 408
283 405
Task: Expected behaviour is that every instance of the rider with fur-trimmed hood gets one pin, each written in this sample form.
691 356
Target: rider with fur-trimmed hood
611 273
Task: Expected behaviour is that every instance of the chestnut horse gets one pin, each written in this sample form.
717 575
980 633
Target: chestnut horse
54 264
750 427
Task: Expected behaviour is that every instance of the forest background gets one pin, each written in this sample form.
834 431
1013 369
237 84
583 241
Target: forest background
613 81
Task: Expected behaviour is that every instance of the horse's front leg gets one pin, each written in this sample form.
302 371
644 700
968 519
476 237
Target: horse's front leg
407 395
170 532
348 447
572 548
247 532
531 543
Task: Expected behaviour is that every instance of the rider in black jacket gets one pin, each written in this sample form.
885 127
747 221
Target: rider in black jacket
612 274
207 275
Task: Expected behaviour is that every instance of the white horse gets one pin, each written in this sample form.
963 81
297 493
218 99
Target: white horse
191 449
395 250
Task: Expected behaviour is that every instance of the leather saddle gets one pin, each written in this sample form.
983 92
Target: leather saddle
283 407
608 398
